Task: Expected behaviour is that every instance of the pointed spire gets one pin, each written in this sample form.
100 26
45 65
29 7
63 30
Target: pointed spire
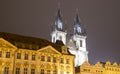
58 21
59 15
77 22
77 25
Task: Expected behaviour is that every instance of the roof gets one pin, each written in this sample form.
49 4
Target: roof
26 42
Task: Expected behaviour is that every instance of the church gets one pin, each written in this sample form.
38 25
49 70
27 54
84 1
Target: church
76 42
66 53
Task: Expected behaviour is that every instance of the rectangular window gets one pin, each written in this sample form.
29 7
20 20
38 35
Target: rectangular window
26 56
67 61
61 60
54 72
54 59
17 71
42 71
32 71
48 59
25 70
81 43
18 55
33 57
6 70
7 54
42 58
48 71
0 53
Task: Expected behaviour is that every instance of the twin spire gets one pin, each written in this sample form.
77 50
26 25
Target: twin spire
59 24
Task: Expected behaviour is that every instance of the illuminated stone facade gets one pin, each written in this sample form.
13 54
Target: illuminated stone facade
27 55
76 41
99 68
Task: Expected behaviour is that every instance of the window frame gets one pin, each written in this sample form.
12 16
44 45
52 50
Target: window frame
33 57
17 71
42 58
48 59
32 71
25 56
18 55
7 54
6 70
25 70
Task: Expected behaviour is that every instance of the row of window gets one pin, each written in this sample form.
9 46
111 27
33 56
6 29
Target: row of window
89 70
7 54
54 59
34 57
18 71
112 69
18 55
25 56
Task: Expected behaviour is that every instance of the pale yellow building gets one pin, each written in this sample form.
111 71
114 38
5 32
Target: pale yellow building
28 55
99 68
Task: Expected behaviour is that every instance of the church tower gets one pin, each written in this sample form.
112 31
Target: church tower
76 42
58 32
79 39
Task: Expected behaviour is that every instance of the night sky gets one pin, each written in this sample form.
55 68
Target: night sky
101 18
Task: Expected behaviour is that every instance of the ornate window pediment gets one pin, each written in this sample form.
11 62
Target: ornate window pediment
49 49
4 43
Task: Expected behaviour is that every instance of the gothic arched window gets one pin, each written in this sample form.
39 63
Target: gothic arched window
81 43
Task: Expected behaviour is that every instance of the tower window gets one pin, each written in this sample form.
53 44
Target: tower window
81 43
53 39
60 37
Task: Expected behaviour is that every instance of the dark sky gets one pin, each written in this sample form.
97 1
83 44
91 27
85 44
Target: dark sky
101 18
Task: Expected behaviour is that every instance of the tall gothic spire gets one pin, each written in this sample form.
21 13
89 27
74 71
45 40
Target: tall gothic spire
58 22
77 25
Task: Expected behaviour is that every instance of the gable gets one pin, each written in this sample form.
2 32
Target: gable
49 49
4 43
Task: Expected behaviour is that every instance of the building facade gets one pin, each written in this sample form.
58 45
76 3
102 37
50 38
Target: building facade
99 68
76 41
27 55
